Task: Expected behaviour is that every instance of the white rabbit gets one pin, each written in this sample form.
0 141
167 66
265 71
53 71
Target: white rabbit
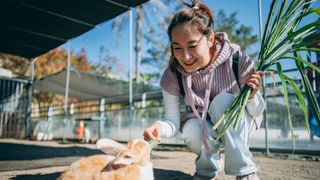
131 162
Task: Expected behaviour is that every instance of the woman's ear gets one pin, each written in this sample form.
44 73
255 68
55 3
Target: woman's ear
211 40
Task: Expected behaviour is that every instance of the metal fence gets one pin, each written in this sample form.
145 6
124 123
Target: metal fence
118 125
15 108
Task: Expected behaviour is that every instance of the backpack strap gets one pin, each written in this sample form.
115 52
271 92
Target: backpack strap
181 88
179 78
235 64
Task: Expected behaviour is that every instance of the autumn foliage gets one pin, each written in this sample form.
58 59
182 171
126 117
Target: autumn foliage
17 65
55 61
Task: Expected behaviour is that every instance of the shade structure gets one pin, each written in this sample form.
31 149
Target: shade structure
85 86
82 85
30 28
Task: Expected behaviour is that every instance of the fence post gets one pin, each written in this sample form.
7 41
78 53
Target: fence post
29 110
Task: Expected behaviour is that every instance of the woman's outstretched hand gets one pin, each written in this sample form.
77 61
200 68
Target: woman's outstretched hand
254 81
153 132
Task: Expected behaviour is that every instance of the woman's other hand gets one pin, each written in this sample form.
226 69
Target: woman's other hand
153 132
254 81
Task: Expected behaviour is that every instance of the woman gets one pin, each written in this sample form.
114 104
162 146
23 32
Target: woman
203 59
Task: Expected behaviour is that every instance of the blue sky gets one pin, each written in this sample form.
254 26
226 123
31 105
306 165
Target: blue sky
247 13
104 36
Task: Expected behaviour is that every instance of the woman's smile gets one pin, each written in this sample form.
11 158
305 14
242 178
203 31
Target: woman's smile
191 48
190 63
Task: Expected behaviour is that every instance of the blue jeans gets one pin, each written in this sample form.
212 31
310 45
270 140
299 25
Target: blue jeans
238 158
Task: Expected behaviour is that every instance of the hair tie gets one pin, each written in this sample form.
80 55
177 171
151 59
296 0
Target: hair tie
194 4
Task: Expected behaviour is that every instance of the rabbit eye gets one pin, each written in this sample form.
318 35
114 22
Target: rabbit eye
127 157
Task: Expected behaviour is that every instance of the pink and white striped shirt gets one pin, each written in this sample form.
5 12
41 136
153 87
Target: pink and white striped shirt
196 83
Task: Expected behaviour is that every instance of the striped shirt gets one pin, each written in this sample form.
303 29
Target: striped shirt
223 78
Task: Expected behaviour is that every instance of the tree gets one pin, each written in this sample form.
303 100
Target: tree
158 7
55 61
108 65
81 62
159 49
50 63
139 16
239 34
16 64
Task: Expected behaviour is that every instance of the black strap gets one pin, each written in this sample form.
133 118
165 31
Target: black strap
235 63
178 74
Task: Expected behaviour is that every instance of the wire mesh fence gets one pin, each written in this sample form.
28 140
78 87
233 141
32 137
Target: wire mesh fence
15 103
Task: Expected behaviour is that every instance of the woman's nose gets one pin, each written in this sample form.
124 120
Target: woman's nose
186 55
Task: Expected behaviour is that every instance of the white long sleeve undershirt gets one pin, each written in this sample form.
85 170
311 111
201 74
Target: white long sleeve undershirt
170 126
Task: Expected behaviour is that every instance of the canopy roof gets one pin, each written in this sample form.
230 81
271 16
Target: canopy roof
29 28
82 85
85 86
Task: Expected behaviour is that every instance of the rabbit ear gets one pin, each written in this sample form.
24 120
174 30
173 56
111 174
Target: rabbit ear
138 152
110 147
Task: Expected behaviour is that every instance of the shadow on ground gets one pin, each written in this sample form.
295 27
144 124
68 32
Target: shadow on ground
160 174
22 157
11 152
37 176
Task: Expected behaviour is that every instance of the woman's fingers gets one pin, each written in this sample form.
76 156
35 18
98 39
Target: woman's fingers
156 134
255 78
253 86
254 81
152 133
148 134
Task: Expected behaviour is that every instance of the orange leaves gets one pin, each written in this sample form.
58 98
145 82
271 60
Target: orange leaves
52 62
56 60
16 64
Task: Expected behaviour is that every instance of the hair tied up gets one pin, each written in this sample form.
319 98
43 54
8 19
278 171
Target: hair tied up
194 4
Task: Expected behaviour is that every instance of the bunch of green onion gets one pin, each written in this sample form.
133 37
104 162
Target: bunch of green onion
283 38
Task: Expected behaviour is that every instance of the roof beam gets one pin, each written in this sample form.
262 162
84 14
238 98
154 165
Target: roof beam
34 33
118 4
24 45
59 15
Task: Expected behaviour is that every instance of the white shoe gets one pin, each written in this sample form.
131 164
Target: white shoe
220 164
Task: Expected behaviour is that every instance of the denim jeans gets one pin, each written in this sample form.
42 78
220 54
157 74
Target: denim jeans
238 158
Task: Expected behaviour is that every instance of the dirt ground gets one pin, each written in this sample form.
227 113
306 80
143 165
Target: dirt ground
23 159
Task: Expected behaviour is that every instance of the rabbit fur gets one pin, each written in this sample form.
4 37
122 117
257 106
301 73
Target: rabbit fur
120 162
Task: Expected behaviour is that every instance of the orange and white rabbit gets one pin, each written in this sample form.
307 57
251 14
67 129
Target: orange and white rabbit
131 162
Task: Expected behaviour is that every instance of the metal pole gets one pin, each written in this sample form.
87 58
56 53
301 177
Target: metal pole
264 85
32 68
65 108
130 74
29 99
102 117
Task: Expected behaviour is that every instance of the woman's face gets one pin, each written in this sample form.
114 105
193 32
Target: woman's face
190 47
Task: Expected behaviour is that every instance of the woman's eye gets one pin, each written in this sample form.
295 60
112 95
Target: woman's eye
176 48
194 46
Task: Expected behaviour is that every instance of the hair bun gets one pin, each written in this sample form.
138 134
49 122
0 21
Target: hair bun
194 4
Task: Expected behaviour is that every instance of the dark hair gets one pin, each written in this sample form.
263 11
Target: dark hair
197 14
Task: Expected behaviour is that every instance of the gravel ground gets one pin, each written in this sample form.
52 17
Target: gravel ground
23 159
